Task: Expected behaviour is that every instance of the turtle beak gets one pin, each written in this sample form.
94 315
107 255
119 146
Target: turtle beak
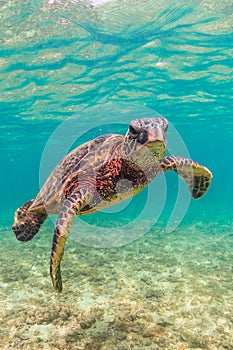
156 135
156 142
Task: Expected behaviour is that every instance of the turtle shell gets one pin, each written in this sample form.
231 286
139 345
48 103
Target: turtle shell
83 161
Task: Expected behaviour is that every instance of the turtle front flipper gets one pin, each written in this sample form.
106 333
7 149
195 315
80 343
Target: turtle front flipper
196 176
70 208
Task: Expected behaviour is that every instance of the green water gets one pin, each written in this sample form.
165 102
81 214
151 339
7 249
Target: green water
97 67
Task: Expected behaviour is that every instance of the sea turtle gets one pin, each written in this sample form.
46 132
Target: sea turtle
90 178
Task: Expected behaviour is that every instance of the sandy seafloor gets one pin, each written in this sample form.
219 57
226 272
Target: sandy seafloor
163 291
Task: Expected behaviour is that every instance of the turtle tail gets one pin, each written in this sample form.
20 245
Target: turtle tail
28 222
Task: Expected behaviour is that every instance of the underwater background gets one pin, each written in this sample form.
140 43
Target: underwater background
96 64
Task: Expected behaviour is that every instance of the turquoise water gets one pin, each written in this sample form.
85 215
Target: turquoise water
71 60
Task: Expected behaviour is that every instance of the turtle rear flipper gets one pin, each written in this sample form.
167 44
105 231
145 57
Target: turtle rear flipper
28 222
196 176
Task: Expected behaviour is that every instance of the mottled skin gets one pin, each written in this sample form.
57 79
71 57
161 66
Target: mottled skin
92 176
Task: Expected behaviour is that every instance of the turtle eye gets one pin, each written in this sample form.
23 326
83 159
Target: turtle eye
133 132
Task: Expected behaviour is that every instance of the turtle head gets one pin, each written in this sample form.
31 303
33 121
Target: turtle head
149 133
